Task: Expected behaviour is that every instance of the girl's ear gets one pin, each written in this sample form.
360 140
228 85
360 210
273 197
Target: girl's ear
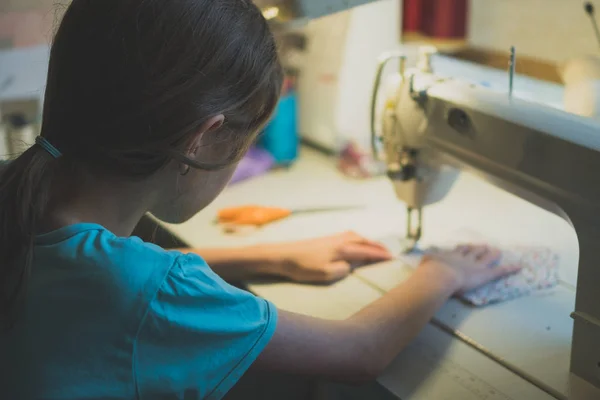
213 124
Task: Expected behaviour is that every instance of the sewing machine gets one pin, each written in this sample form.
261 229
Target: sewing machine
433 127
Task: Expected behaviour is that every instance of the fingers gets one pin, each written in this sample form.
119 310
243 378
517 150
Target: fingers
337 270
351 235
364 252
504 270
491 257
463 249
327 273
482 253
332 272
356 238
485 254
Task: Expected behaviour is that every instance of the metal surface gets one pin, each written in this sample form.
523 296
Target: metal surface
545 156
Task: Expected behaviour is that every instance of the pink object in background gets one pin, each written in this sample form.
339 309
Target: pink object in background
358 163
27 28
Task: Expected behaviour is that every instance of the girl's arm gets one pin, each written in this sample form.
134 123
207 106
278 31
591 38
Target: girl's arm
361 347
324 259
238 264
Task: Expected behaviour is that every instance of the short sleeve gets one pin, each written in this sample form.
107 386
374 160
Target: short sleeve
199 335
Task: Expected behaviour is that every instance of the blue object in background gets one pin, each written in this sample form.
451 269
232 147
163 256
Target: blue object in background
280 137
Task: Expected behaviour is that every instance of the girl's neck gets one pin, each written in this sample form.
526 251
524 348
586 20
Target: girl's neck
116 205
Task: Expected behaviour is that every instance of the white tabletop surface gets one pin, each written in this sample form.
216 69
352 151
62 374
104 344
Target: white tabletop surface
531 334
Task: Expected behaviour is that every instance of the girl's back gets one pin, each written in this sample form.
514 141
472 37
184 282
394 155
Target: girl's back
109 317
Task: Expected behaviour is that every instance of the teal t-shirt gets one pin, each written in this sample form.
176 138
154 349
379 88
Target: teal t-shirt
117 318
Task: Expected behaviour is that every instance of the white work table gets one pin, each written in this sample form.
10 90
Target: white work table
531 335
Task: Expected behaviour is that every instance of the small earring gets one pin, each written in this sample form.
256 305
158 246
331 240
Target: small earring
186 170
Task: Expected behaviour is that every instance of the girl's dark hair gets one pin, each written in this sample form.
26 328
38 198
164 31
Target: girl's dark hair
129 82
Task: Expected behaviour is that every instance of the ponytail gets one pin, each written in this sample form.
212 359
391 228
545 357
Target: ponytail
24 197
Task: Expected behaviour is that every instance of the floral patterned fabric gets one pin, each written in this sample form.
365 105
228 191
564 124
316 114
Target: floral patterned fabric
540 268
540 271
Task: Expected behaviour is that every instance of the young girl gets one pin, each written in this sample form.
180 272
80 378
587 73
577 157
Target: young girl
149 106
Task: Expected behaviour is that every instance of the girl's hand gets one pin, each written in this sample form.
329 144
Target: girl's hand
327 259
360 348
469 266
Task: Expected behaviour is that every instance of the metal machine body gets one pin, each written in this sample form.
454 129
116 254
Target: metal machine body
433 127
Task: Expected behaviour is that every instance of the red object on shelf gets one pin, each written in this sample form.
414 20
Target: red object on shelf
443 19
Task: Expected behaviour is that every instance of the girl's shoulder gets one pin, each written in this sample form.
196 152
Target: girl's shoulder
96 258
